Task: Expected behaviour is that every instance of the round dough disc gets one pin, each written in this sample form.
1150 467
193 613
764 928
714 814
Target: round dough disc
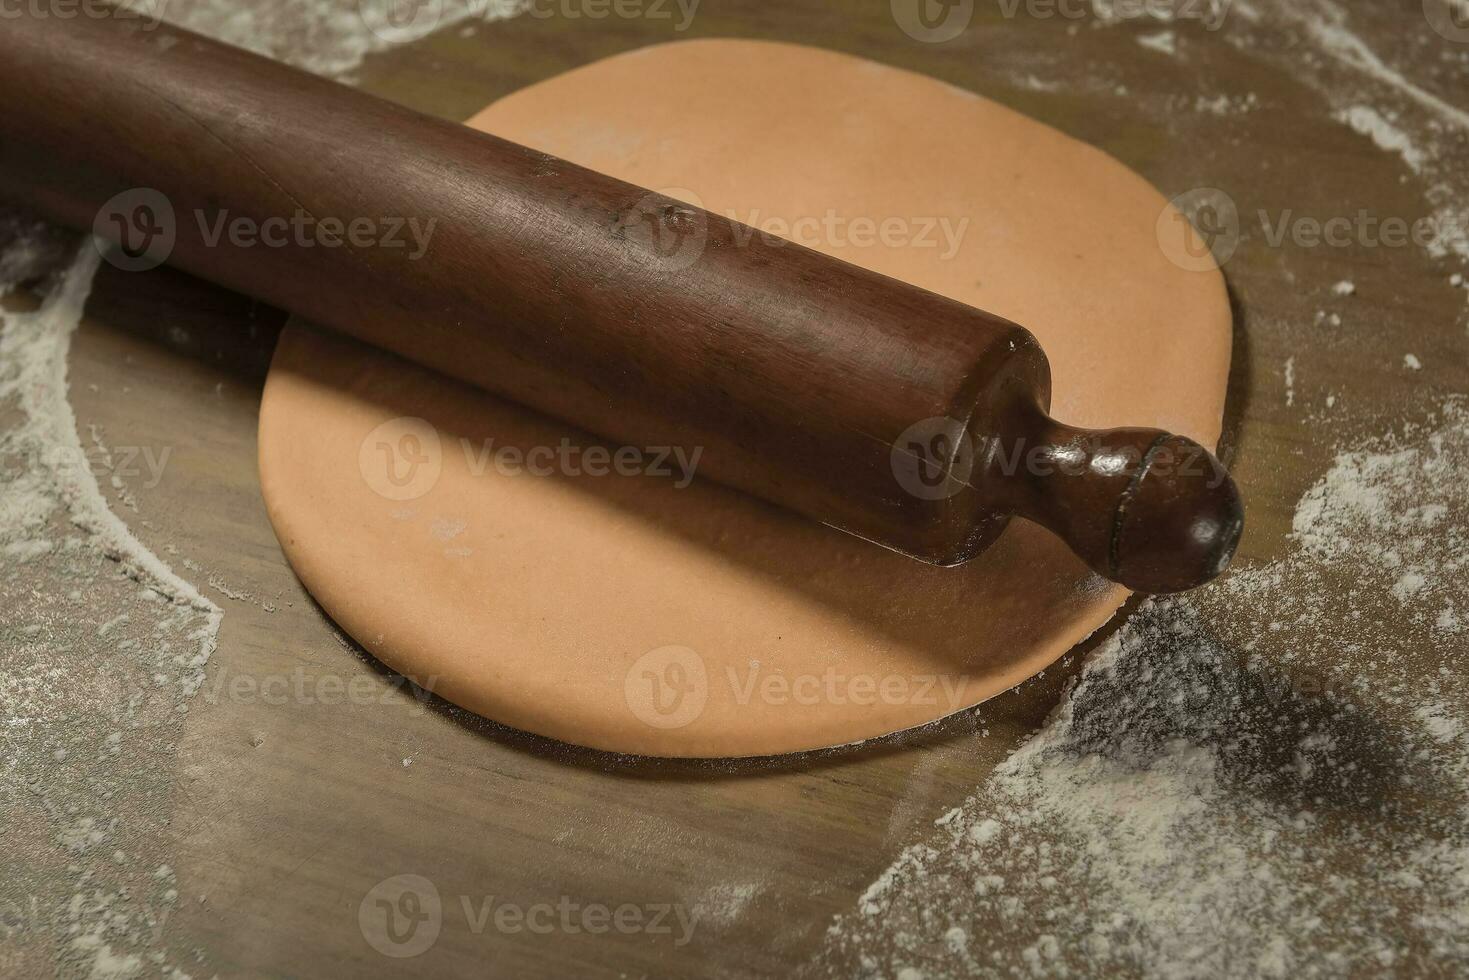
634 614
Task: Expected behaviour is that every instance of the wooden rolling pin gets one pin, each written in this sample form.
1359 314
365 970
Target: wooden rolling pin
874 406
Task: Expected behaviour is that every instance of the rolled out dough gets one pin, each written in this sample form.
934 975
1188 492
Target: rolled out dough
623 612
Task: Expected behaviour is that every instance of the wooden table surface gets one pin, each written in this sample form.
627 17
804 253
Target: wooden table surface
284 815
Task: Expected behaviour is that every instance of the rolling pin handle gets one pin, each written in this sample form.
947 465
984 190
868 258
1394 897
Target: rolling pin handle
1155 512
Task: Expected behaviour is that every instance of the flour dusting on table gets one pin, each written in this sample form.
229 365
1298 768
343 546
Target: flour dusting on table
101 648
1191 808
1262 778
102 645
1194 810
327 37
1415 112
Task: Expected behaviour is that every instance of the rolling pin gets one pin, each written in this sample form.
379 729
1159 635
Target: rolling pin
871 405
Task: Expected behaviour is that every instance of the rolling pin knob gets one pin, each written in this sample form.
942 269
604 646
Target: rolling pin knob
820 386
1155 512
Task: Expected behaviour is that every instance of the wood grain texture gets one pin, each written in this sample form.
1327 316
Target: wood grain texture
286 814
630 314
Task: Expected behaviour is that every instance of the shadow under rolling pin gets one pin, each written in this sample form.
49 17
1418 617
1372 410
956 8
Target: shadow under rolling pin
866 403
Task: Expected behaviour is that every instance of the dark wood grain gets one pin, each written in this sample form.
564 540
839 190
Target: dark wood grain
795 376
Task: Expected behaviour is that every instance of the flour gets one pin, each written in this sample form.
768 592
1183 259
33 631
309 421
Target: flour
1398 114
101 648
1223 105
102 645
1369 122
327 37
1319 43
1189 808
1164 42
1192 809
723 904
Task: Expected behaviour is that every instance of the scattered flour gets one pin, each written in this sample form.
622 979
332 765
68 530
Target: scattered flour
1318 42
102 645
328 37
1374 98
1226 105
1369 122
101 648
446 528
1194 809
1188 809
722 905
1165 42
